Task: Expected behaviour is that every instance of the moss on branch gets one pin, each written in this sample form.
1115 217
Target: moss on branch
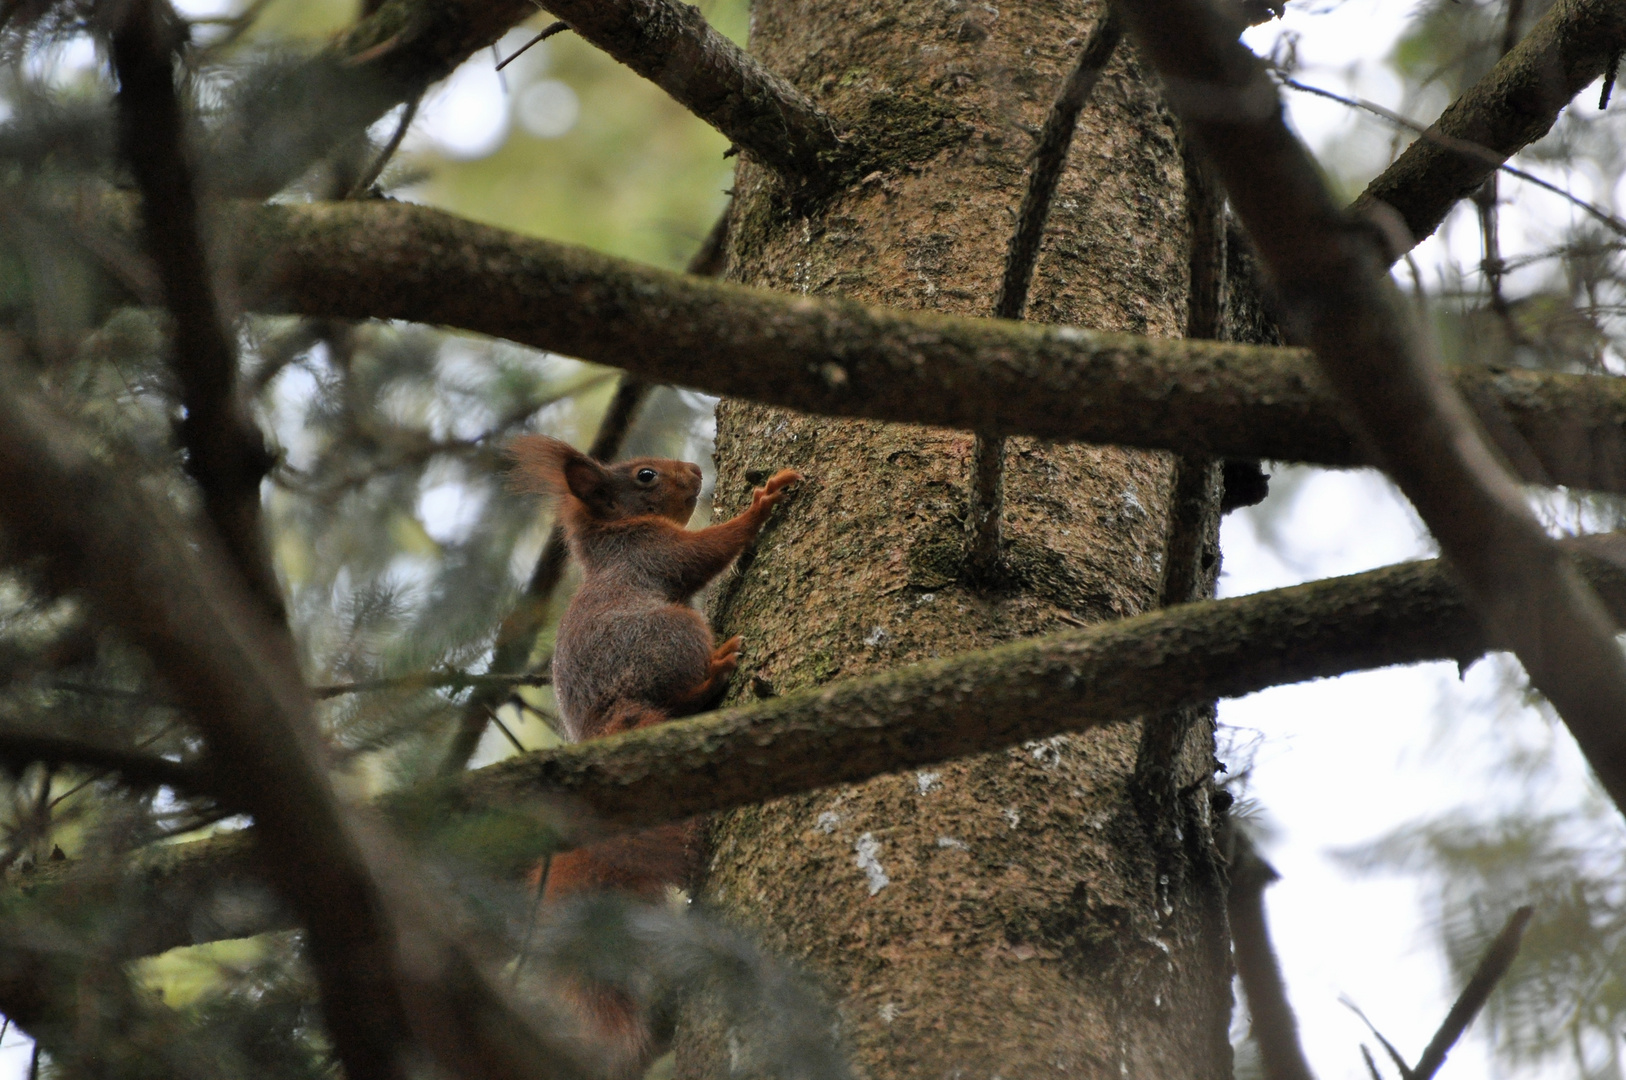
979 701
852 730
841 358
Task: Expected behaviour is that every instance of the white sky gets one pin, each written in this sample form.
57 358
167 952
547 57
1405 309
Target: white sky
1341 761
1347 760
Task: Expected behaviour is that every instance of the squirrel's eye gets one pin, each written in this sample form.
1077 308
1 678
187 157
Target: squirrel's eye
646 476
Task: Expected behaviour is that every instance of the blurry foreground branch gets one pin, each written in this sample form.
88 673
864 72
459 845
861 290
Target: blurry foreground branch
174 595
1335 293
225 452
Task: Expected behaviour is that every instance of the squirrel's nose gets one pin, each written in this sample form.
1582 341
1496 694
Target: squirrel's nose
693 468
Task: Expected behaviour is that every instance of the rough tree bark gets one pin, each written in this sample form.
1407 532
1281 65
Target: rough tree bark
1015 914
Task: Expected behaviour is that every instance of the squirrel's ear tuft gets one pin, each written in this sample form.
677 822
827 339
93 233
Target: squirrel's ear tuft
547 466
539 464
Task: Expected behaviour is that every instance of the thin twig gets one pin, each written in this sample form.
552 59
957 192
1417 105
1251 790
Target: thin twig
367 179
1492 966
440 679
1486 202
513 740
1490 157
1383 1041
36 824
1275 1028
18 749
141 744
536 910
1332 279
556 27
985 511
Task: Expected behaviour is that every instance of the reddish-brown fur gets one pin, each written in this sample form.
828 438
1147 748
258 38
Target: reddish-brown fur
631 652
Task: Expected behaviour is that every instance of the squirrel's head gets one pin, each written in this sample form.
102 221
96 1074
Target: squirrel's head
636 488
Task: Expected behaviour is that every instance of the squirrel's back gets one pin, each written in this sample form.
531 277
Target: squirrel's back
628 647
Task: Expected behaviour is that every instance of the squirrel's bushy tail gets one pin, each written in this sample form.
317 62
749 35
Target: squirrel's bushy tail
644 865
617 1027
628 715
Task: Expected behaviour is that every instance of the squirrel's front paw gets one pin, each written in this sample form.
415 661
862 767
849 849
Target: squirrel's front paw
774 490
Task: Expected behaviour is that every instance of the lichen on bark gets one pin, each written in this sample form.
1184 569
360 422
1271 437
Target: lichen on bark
1000 914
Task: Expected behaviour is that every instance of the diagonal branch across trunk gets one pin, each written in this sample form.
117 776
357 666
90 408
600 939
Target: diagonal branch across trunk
1515 104
671 44
1332 277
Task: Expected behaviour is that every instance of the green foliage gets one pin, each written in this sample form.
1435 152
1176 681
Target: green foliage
395 536
636 176
1564 1002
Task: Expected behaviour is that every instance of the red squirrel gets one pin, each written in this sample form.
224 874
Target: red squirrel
630 651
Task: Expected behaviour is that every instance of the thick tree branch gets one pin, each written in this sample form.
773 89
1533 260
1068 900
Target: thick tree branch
226 453
1510 108
672 45
439 679
387 968
392 260
850 731
973 703
1332 279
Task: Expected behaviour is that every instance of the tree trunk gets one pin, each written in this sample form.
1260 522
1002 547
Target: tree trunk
1029 913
